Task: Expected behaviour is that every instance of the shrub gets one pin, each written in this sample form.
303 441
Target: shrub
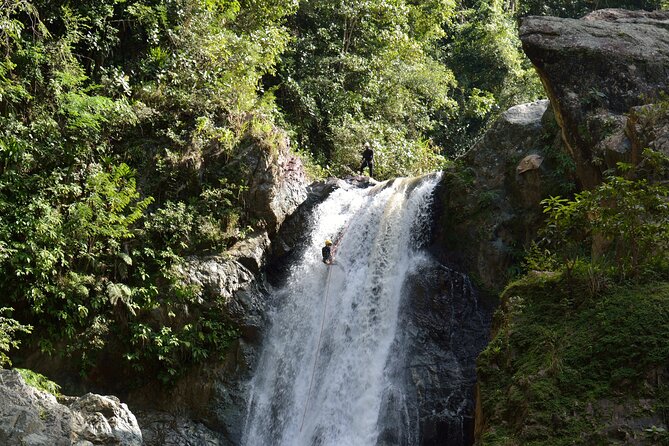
623 222
39 381
9 328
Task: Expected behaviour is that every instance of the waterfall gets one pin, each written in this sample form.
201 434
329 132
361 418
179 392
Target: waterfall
356 301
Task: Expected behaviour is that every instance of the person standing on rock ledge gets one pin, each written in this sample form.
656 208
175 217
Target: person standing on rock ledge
367 159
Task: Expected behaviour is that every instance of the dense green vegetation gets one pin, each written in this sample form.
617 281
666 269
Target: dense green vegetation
39 381
417 79
128 130
584 333
576 9
122 135
620 229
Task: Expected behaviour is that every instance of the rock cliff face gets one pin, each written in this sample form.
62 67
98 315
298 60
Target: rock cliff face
208 405
606 76
445 327
277 185
488 205
599 73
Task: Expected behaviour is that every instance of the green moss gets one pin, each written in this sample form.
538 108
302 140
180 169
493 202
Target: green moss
556 365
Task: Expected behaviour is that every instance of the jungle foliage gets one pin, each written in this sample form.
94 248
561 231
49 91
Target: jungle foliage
121 128
587 325
559 367
577 9
126 128
419 80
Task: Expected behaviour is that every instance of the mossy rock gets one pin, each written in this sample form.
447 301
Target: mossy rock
566 369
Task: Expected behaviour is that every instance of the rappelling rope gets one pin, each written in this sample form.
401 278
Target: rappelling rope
325 306
318 349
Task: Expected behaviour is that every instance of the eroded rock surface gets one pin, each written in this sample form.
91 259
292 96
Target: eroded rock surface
277 185
488 211
31 417
596 71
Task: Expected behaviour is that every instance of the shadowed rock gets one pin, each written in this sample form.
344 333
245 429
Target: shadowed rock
491 209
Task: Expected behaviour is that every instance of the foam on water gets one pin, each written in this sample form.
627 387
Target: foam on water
381 229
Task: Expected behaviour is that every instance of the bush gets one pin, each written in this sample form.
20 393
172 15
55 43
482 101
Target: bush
9 329
623 222
40 382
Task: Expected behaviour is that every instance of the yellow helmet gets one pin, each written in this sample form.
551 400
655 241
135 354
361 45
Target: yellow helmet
328 242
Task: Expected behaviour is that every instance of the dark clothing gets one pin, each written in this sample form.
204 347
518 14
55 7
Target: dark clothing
367 161
327 254
368 154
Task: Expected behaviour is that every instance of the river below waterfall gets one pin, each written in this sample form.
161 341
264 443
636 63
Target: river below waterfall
333 368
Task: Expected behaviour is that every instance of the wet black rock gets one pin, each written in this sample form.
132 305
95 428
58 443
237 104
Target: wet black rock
444 326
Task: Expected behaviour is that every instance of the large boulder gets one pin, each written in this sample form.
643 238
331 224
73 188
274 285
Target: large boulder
32 417
490 209
596 71
277 185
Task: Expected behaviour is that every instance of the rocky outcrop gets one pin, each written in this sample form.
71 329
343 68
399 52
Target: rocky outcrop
445 327
597 72
488 206
208 405
169 429
231 280
32 417
606 76
277 185
289 243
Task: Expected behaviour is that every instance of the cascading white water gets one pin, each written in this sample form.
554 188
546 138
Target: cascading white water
357 309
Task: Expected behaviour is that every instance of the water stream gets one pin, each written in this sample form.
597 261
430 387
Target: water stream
380 232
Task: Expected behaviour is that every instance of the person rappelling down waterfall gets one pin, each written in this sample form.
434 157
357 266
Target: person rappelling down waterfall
330 248
327 252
